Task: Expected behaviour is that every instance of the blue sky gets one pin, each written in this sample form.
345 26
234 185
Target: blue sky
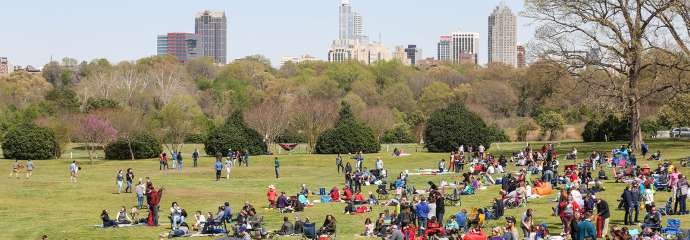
34 30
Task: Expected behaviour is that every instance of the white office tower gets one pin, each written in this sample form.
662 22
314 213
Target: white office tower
503 36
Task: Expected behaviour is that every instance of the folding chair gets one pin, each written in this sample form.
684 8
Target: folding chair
673 227
668 208
309 231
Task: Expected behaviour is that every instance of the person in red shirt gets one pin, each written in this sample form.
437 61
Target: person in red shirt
154 200
348 193
359 198
433 228
335 194
272 195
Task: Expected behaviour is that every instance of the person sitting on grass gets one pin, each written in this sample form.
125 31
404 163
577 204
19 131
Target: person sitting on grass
652 220
282 202
287 228
372 199
200 221
452 226
359 198
329 226
347 194
434 228
368 228
122 217
335 194
107 222
303 200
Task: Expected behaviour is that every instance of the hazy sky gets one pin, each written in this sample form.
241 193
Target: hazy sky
34 30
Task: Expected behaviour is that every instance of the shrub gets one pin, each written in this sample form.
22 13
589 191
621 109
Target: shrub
348 136
28 141
454 125
143 146
399 134
234 134
551 122
610 128
94 104
291 135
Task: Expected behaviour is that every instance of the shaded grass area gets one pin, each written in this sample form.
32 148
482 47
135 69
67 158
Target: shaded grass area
49 204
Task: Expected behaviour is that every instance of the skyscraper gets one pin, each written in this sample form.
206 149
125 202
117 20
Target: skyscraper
503 36
184 46
347 21
358 25
211 26
414 54
444 48
459 47
4 66
521 62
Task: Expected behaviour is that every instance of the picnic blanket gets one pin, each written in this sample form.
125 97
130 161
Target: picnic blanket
121 225
428 172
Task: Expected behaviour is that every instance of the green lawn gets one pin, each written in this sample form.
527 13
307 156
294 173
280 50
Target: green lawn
49 204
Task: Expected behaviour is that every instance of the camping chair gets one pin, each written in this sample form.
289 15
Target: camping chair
309 231
668 208
673 227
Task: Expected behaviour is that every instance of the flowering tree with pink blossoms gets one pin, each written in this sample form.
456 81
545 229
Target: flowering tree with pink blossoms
94 132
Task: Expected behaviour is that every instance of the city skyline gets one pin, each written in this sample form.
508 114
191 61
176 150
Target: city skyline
252 27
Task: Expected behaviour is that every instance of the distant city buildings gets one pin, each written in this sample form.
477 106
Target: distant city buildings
212 28
502 37
413 54
352 44
5 67
209 39
184 46
400 55
521 62
297 60
459 48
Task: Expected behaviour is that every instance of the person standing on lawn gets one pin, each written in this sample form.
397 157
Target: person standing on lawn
195 157
585 228
118 181
276 165
339 162
29 168
73 171
603 216
173 156
219 167
154 197
245 155
141 190
179 160
129 177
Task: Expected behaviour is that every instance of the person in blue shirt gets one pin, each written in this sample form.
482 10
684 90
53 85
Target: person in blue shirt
422 211
461 219
219 167
585 228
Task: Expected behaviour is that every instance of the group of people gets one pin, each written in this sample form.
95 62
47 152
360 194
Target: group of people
17 167
175 160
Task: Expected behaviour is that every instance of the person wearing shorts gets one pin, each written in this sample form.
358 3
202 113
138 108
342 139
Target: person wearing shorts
29 168
73 171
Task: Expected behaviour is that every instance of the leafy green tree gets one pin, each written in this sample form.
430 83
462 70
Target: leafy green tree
64 98
551 122
28 141
399 96
435 96
235 135
348 136
141 146
676 113
452 126
399 134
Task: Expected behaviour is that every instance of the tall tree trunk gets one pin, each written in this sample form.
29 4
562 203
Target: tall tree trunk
633 102
635 128
131 151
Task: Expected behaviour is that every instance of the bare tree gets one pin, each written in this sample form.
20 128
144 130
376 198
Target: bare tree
269 118
167 80
622 49
313 116
379 118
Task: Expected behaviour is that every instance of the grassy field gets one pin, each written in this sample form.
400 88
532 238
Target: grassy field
49 204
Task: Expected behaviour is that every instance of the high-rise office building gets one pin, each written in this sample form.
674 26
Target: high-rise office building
414 54
521 61
399 54
444 48
358 25
459 47
211 26
4 66
184 46
347 21
503 36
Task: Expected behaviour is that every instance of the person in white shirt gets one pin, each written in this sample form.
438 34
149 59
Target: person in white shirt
200 221
379 163
73 171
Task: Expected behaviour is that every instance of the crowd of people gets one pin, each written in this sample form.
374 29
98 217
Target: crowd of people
411 213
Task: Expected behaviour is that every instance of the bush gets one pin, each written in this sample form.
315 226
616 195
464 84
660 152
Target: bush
234 134
348 136
610 128
28 141
453 126
399 134
144 146
94 104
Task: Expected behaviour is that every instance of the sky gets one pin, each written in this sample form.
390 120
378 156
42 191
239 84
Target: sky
33 31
